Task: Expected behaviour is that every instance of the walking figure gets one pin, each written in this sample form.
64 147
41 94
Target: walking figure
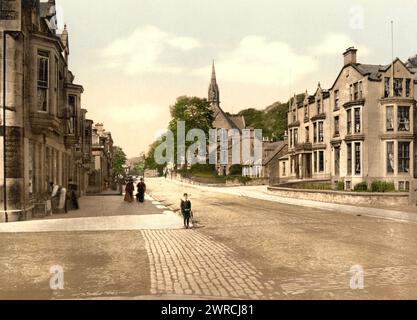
141 187
186 210
129 191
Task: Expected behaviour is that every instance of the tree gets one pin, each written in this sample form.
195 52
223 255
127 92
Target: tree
150 162
195 112
139 166
119 160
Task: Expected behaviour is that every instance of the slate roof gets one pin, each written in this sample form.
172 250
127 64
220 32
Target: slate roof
280 145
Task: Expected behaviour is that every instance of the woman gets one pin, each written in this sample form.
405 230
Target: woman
186 210
129 191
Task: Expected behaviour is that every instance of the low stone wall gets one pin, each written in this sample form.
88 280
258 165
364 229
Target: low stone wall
228 183
341 197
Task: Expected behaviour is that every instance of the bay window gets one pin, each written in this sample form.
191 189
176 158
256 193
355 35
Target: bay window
403 157
321 132
357 120
403 118
43 81
349 159
349 121
390 157
390 118
358 167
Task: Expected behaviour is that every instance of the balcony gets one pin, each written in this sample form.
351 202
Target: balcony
42 122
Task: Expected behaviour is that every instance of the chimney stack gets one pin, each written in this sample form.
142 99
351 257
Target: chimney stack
350 56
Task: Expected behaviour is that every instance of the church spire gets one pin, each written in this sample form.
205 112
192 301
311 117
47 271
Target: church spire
214 92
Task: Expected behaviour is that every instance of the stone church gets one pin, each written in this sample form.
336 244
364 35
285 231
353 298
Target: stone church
223 120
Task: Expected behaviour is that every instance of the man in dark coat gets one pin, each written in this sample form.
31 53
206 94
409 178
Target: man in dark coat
141 189
186 210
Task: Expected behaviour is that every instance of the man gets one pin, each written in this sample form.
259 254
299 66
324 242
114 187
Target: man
186 210
141 188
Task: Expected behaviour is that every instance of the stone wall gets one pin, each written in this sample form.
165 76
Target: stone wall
354 198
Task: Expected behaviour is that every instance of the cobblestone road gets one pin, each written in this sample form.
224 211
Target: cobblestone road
186 262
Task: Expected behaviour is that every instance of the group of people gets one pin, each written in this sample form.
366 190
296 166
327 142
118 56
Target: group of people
130 189
62 200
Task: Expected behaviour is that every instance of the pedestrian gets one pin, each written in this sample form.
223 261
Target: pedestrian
186 210
141 189
129 191
73 196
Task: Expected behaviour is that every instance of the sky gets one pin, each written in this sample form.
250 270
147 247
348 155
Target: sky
135 57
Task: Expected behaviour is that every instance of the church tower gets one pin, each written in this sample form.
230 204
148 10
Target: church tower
214 92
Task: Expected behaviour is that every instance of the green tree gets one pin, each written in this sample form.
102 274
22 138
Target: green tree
150 162
119 160
195 112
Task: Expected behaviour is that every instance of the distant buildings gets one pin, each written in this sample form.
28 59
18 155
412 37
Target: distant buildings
102 160
46 136
361 129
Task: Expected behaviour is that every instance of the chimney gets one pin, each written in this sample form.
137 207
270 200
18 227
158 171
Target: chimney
350 56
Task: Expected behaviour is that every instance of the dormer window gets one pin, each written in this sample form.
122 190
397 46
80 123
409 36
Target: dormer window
319 109
306 111
398 87
387 89
407 88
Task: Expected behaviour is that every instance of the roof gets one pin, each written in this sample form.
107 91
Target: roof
280 145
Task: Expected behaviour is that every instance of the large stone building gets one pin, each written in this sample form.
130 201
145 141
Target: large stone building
362 129
43 131
102 160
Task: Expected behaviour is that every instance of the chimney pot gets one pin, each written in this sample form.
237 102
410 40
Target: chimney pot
350 56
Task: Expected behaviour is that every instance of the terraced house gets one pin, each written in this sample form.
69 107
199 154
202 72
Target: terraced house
43 136
362 129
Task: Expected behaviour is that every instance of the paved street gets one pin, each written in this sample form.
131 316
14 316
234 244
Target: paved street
240 248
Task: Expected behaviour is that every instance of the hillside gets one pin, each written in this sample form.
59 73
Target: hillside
272 120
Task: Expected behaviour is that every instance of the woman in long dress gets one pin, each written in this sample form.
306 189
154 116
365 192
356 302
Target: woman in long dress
129 192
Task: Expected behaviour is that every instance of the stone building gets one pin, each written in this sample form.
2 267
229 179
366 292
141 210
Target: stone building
223 120
362 129
101 175
41 136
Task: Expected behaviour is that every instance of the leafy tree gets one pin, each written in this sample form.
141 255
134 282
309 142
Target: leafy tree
150 162
119 160
139 165
195 112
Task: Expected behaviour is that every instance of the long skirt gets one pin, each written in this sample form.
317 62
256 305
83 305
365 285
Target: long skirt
141 197
129 197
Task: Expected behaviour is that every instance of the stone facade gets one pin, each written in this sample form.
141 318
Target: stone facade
43 137
362 129
101 176
223 120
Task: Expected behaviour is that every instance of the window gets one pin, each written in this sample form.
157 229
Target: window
390 118
295 136
360 90
315 132
408 88
356 91
403 157
387 88
390 157
403 118
319 107
404 186
398 87
321 132
336 100
307 134
43 80
294 116
349 121
358 158
349 159
321 161
32 167
351 92
284 169
72 110
306 112
315 161
336 126
337 161
357 120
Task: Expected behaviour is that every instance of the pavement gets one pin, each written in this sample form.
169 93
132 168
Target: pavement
241 247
